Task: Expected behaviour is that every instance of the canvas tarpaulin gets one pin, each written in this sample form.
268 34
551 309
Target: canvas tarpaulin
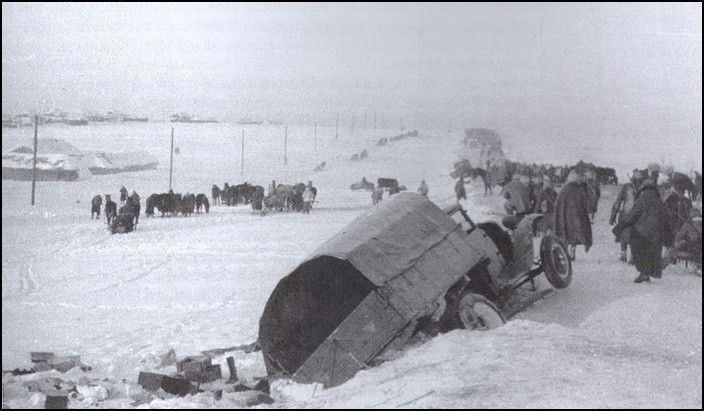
405 248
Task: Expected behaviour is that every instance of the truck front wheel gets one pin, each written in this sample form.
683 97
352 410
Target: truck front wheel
556 261
476 312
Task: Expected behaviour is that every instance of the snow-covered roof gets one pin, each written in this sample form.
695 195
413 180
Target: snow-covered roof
126 158
44 161
50 146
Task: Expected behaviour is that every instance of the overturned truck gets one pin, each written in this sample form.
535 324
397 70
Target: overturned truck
403 268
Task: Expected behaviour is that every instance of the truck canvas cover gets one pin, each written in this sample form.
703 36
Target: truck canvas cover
343 305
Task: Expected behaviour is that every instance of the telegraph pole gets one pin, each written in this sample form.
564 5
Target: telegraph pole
34 166
171 162
285 145
315 135
337 126
242 157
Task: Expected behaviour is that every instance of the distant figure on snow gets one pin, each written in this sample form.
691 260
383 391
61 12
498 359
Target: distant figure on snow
678 209
202 203
622 205
545 203
570 220
95 204
110 209
215 194
124 221
595 192
423 189
308 198
135 202
123 194
517 198
486 180
648 222
377 195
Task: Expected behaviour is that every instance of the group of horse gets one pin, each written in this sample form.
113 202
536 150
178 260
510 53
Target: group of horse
505 173
172 204
558 174
284 197
288 197
244 193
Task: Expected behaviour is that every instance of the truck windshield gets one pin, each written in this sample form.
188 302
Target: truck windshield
461 218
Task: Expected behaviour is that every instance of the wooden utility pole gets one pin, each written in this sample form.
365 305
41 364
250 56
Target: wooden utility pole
285 145
315 135
352 125
337 127
242 157
34 166
171 162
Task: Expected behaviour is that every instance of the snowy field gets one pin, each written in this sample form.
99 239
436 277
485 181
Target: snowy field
198 283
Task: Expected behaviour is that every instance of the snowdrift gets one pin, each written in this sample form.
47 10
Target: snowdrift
50 167
619 357
112 163
58 160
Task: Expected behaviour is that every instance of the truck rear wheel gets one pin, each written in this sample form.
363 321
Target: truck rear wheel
556 261
476 312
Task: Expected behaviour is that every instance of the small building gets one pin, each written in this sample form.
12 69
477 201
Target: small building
57 160
122 162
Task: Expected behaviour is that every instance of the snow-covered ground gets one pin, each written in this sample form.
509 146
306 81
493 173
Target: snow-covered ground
198 283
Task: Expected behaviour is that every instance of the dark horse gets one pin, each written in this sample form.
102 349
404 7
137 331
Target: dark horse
149 210
238 194
257 197
215 194
202 202
110 209
166 203
188 204
95 204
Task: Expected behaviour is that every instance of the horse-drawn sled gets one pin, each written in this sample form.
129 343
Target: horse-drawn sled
288 197
404 270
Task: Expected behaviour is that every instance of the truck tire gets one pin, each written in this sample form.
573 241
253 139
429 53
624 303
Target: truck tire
556 261
476 312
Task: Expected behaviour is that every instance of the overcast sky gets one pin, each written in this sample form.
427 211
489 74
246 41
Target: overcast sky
545 69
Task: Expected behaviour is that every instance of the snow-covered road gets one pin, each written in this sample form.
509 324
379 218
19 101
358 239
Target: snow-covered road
198 283
602 342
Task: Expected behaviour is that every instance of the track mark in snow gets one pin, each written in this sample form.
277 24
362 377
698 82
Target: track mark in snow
145 272
415 399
